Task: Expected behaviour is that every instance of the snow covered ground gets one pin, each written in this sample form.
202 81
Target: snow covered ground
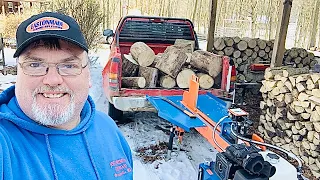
148 130
144 132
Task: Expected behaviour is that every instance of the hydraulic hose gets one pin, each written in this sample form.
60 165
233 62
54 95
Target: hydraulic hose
299 168
214 131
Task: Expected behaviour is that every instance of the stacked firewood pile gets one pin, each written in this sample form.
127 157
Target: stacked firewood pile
171 69
244 52
299 57
291 112
9 70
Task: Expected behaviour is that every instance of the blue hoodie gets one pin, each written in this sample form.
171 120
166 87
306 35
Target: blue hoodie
95 149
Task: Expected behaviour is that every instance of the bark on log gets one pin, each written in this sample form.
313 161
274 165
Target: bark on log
184 41
294 71
150 74
183 78
172 61
142 53
167 82
130 67
133 82
208 62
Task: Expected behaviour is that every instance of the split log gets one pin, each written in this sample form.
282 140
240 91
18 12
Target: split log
315 77
130 67
133 82
150 74
316 93
142 53
288 98
205 81
183 78
208 62
172 61
167 82
303 97
249 52
315 100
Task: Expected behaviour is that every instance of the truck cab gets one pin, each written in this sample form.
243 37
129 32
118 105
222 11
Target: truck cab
158 33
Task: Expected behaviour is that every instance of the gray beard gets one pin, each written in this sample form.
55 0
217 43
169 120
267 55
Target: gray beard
53 114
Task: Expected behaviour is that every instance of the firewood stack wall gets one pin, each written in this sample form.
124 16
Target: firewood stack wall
244 52
291 112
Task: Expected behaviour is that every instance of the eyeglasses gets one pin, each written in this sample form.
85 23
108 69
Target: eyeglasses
36 68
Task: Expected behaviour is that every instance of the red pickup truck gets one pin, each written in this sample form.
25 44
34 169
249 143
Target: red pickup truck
158 33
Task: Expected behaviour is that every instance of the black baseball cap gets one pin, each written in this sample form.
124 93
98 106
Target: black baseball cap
49 25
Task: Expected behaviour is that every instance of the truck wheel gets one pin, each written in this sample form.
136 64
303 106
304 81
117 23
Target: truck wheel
115 113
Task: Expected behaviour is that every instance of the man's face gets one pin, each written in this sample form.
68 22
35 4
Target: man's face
53 99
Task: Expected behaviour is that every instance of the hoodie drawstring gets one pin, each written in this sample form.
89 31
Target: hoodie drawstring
51 158
90 155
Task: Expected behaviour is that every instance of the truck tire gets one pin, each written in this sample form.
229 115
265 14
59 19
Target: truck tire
114 113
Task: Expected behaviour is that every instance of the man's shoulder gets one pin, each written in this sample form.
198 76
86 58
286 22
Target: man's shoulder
103 118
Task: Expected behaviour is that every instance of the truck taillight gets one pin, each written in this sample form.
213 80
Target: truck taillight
233 74
113 74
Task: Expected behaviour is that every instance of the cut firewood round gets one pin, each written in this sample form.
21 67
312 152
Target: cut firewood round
167 82
142 53
242 45
205 81
183 78
133 82
236 54
219 44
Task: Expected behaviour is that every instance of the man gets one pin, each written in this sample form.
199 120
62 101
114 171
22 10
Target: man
49 127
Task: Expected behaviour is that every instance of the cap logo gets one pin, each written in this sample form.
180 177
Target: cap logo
47 24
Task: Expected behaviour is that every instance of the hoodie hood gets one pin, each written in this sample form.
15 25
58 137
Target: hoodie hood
11 111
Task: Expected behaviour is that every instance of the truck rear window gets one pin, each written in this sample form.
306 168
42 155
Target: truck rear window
150 31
